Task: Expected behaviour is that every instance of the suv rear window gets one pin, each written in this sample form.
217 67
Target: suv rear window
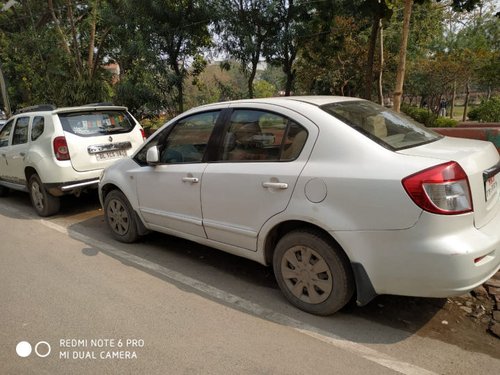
93 123
390 129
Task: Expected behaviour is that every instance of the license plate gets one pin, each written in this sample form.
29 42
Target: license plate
491 187
110 155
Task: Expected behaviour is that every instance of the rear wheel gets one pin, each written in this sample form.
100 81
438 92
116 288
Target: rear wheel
120 217
45 204
313 273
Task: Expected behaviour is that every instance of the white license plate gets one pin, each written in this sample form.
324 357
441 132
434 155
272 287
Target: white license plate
491 187
110 155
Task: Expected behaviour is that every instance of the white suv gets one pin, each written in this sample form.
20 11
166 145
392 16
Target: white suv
50 152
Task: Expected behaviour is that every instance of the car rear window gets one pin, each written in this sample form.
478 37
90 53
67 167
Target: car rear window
390 129
93 123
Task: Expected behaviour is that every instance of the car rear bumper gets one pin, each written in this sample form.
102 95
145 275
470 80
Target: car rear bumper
438 257
70 187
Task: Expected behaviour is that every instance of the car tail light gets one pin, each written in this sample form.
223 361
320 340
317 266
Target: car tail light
143 133
443 189
61 148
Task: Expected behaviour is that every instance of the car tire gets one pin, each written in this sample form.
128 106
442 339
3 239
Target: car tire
120 217
44 203
313 273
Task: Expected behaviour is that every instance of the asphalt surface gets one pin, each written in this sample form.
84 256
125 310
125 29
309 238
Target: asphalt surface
85 304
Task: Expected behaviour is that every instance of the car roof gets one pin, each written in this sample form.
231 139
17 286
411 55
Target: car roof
89 107
316 100
53 110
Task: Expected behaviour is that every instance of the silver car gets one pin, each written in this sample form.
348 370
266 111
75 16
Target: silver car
344 198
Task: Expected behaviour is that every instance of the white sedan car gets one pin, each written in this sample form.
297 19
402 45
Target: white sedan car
345 198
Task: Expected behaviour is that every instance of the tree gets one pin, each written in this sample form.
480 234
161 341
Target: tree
38 72
244 27
457 5
380 10
177 34
398 91
292 23
332 62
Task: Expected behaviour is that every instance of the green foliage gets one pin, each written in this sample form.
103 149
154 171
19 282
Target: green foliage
244 27
150 124
487 111
427 118
333 62
421 115
57 55
445 122
264 89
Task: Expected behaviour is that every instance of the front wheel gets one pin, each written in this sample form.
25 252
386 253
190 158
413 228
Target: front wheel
120 217
313 273
45 204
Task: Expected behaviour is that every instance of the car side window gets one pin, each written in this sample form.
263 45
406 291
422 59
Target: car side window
37 127
188 139
21 131
5 134
254 135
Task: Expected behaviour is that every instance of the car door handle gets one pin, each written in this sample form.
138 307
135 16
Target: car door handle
193 180
22 154
275 185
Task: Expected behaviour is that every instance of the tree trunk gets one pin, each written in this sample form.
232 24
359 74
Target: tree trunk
290 77
63 40
453 97
381 63
398 92
5 94
90 59
367 94
74 34
466 102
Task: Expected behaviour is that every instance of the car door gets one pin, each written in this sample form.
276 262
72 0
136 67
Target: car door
5 136
262 155
169 192
17 151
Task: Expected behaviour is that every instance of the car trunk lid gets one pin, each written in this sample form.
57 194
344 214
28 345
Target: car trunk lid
98 137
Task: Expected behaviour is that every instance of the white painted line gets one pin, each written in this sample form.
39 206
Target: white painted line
241 303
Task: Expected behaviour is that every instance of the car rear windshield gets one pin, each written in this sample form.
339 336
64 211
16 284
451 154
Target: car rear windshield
94 123
390 129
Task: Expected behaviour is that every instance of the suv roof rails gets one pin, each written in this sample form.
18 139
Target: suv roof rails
101 104
39 107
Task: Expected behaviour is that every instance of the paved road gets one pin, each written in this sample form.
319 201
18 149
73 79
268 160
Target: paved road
85 304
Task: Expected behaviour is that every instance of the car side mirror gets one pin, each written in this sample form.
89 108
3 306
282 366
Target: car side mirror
153 155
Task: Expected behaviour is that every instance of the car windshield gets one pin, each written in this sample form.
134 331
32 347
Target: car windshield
92 123
390 129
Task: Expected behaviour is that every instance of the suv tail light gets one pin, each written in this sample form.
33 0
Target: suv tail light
143 133
443 189
61 148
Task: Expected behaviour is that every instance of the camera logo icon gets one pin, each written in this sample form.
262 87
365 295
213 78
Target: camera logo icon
24 349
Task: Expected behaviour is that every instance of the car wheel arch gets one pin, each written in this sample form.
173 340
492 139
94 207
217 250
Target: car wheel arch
28 172
362 283
108 188
280 229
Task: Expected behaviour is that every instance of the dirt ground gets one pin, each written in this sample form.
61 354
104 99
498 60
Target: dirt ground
466 321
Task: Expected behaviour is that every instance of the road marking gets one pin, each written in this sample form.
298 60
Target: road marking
241 303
